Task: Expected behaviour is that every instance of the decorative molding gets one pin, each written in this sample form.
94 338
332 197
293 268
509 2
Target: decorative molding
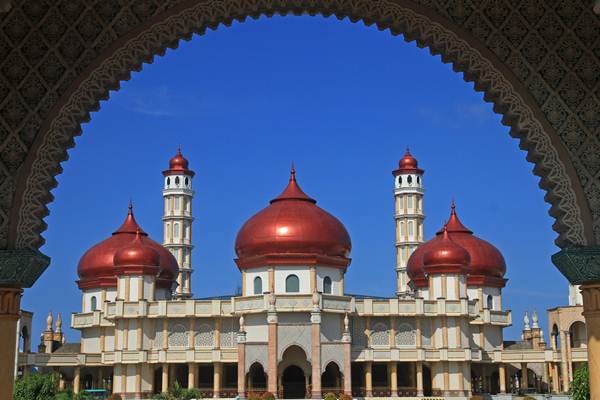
535 62
21 267
10 302
579 264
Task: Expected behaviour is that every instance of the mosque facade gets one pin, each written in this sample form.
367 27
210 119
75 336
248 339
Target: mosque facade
293 330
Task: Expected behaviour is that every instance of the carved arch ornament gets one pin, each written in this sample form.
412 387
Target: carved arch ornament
399 16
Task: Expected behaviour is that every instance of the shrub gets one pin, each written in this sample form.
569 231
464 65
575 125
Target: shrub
189 394
580 387
64 396
115 397
344 396
329 396
268 396
36 387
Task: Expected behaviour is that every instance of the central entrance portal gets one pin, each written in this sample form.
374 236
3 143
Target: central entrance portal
294 383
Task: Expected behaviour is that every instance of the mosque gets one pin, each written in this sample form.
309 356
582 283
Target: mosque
293 330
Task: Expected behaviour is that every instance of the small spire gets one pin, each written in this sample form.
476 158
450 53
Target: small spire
408 151
58 324
130 207
49 321
453 206
179 149
526 321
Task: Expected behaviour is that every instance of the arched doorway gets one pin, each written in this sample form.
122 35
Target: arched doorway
331 379
293 382
256 378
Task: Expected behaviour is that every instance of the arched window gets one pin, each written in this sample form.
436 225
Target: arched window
175 230
490 302
399 181
258 285
177 181
409 180
418 180
410 228
401 228
292 284
168 231
327 285
168 181
94 303
409 200
176 203
187 181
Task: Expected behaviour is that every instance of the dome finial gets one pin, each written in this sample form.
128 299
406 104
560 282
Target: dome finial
292 172
130 207
179 149
407 151
453 206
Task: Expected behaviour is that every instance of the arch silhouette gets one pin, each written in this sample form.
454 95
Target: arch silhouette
401 17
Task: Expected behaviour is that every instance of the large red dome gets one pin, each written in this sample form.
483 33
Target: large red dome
97 268
292 230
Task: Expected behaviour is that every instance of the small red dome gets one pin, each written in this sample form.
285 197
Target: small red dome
96 267
408 164
178 165
292 230
487 266
414 266
445 256
138 257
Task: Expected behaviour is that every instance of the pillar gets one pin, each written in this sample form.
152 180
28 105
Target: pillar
272 354
419 379
165 378
591 312
315 319
76 379
546 378
217 373
368 379
564 368
192 373
10 304
348 367
502 377
524 377
569 355
555 380
241 364
61 382
393 369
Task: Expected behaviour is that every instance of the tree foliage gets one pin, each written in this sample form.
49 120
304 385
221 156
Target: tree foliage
36 387
580 387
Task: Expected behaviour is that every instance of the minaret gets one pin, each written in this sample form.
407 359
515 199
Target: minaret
408 196
177 219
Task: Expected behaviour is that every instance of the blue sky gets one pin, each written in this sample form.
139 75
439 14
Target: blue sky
343 101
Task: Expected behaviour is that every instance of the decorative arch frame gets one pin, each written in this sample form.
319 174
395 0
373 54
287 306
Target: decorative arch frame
401 17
